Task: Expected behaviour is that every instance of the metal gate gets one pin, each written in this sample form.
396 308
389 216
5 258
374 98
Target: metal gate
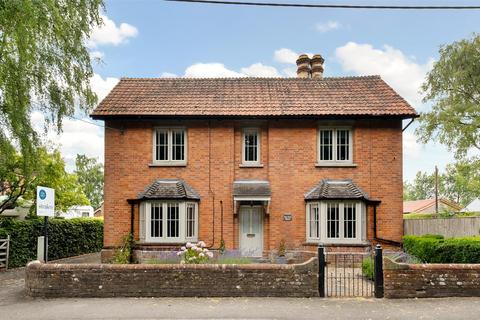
346 274
4 248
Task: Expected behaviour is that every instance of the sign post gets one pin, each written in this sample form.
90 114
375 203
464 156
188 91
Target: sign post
45 208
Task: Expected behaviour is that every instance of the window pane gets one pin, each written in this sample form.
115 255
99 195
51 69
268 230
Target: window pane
333 220
190 220
251 146
326 145
161 147
343 142
314 221
156 219
178 145
349 218
173 222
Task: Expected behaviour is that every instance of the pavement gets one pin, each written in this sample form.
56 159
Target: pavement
14 304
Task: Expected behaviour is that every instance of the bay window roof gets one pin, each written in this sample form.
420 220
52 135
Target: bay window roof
171 189
337 190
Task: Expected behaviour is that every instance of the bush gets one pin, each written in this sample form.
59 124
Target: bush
436 249
122 255
66 238
368 268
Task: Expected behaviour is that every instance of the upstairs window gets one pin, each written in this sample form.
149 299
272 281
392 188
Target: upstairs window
335 145
251 146
170 146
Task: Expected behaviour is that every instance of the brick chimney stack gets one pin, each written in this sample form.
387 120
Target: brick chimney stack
303 66
317 66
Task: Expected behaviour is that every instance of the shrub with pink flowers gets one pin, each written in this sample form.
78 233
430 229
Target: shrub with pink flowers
195 253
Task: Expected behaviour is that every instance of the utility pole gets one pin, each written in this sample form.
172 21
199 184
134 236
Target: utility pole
436 190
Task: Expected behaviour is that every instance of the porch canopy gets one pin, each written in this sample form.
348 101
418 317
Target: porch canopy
338 190
251 191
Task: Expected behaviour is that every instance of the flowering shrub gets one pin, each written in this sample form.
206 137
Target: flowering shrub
195 253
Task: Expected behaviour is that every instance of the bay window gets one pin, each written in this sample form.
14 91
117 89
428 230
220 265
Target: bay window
168 221
336 221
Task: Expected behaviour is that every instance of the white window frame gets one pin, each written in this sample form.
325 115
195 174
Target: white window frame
145 222
246 131
334 130
360 224
169 161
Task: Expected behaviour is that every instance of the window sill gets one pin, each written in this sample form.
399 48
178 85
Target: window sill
168 164
244 165
335 165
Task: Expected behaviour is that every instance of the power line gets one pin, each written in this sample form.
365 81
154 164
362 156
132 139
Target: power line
329 6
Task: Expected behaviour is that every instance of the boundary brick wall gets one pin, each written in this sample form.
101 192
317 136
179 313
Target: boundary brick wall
430 280
174 280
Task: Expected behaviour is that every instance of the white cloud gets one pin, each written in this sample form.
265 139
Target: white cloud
77 137
403 73
285 55
411 148
168 75
260 70
210 70
327 26
102 86
110 34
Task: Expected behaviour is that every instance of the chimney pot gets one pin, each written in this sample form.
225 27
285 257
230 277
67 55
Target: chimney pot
303 66
317 66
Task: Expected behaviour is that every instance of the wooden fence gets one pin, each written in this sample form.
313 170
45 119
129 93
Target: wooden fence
447 227
4 249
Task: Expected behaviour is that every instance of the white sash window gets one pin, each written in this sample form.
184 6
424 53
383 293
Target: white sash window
168 221
169 146
335 145
336 222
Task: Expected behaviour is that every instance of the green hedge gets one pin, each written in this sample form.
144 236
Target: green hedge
436 249
66 238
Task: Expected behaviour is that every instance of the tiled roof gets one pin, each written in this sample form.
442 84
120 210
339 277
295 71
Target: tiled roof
169 189
253 97
251 188
336 189
422 205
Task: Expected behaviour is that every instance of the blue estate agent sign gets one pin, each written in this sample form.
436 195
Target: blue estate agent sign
45 202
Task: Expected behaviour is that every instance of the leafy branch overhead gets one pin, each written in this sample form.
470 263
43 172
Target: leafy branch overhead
453 85
44 65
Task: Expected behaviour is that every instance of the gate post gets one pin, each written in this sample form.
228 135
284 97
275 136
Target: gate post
378 271
321 271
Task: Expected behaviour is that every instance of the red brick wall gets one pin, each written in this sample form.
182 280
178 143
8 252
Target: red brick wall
430 280
288 153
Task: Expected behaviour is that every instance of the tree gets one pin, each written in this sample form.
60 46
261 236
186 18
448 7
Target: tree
453 85
51 173
14 175
460 183
44 65
90 177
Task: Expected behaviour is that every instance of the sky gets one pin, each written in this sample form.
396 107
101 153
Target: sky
154 38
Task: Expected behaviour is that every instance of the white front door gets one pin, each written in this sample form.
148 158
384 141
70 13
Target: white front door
251 231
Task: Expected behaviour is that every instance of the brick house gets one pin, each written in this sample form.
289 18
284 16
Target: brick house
254 162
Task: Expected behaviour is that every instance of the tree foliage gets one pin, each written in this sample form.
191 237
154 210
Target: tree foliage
459 183
51 173
44 65
90 176
453 85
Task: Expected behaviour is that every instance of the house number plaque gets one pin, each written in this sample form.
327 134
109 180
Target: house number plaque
287 217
